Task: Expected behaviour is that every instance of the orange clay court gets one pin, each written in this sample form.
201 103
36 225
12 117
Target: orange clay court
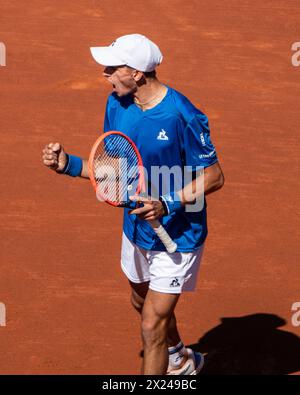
67 301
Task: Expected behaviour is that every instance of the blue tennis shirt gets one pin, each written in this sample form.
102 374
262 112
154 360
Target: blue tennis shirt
173 133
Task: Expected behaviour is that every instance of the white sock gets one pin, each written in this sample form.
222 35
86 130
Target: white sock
176 355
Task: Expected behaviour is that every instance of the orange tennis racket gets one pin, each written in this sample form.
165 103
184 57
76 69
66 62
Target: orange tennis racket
116 171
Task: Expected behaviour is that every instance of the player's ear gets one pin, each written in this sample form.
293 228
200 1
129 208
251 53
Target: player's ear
137 75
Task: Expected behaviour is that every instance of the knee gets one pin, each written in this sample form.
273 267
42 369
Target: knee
154 330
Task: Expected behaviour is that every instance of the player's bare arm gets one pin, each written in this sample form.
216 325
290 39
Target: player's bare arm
55 158
207 182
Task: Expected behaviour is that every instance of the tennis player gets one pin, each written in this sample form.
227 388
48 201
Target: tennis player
169 132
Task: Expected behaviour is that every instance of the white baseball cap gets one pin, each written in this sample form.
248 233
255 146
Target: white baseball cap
134 50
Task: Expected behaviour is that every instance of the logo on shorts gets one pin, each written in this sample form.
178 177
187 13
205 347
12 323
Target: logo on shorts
175 283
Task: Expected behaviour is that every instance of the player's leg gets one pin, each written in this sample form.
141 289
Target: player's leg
173 334
156 314
138 295
172 274
136 266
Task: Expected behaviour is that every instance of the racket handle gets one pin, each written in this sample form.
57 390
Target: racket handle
164 236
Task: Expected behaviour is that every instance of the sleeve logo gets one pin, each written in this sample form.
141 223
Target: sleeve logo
203 156
202 139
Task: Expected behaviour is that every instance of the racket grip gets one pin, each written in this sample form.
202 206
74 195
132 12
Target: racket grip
170 245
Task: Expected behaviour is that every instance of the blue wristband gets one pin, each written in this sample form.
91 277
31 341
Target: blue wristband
171 202
73 167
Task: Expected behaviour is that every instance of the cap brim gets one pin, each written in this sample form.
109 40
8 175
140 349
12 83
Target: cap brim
104 56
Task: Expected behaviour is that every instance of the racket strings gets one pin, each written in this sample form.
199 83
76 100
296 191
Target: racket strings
116 167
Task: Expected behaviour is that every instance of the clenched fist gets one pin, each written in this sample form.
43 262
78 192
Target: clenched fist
54 157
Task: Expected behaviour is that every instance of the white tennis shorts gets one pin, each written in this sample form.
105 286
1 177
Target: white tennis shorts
168 273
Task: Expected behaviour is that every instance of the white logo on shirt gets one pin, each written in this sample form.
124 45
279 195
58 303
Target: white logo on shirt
207 155
162 135
202 140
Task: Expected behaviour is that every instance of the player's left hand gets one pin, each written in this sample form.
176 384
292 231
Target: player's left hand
151 209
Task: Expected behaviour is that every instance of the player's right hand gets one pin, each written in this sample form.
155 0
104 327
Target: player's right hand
54 157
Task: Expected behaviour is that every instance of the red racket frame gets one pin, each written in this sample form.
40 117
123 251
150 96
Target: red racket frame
141 183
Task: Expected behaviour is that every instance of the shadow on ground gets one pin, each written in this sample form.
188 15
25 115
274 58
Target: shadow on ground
252 344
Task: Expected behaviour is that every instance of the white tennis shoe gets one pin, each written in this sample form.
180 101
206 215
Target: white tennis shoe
192 366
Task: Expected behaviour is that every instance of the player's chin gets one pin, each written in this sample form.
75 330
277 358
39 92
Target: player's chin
120 93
